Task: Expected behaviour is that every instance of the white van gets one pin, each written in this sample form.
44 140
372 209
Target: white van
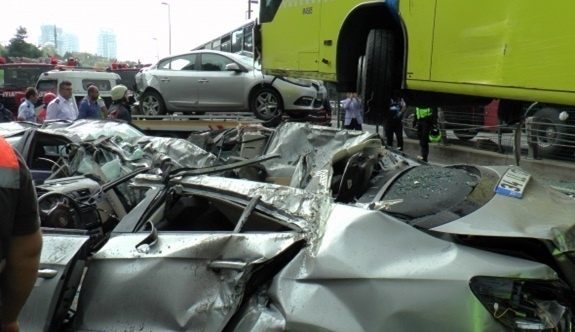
80 79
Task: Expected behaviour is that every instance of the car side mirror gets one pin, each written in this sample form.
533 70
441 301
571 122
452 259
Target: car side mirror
233 67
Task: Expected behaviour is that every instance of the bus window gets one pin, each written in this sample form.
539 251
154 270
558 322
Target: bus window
248 38
237 40
226 44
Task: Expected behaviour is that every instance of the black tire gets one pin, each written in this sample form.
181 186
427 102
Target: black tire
551 133
359 87
377 76
465 135
152 103
266 103
408 128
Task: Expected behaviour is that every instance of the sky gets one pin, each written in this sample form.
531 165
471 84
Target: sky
141 26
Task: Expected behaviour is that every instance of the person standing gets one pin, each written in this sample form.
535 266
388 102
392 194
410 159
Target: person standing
48 97
62 108
425 118
120 108
27 110
352 106
20 236
89 107
394 123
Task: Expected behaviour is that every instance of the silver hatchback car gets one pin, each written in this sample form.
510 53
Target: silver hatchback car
204 81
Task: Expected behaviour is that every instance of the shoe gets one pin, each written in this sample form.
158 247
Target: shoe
419 158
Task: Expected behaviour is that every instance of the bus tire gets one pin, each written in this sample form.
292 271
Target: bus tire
376 76
152 103
266 103
551 134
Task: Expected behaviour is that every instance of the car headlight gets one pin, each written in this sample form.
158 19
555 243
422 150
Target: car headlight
298 81
526 305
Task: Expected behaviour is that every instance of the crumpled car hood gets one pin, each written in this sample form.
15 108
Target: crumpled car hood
542 213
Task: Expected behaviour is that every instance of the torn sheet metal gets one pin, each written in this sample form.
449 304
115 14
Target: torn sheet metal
87 130
374 273
299 207
192 281
305 148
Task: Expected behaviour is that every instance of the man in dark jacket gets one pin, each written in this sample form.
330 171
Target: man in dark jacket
120 108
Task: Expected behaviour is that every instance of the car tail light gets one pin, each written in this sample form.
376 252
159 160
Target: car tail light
526 304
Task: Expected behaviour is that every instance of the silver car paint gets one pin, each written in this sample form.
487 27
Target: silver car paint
221 94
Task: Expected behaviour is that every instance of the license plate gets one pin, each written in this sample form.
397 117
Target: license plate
513 182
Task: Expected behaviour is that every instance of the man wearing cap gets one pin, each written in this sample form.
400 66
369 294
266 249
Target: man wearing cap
62 108
120 108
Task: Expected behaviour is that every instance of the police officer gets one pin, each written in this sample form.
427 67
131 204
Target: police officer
20 236
27 110
62 108
425 118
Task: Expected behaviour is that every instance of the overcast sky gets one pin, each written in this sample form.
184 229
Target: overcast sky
135 22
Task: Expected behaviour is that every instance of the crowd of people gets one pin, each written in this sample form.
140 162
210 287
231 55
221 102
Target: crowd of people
425 120
62 106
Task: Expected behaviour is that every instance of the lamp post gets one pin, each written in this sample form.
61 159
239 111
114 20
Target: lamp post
169 26
157 49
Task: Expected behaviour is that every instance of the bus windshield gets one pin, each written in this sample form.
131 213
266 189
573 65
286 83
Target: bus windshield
268 10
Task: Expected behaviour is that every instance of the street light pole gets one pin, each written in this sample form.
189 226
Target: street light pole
169 26
157 49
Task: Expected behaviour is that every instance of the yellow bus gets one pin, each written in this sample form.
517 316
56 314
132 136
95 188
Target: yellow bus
436 52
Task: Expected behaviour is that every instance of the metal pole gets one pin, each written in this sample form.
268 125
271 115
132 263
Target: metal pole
169 27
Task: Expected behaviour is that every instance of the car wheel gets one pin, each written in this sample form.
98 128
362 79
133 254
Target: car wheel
376 76
408 128
465 135
152 103
266 104
550 131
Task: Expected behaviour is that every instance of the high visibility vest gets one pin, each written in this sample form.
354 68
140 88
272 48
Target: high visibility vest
9 168
422 113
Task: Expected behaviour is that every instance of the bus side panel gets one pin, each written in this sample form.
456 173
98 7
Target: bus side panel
418 17
292 39
511 43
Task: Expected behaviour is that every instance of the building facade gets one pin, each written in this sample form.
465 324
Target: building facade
107 44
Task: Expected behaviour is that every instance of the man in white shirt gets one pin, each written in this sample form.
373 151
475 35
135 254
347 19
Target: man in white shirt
27 110
62 108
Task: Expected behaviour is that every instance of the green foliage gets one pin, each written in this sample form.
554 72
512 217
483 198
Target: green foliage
18 46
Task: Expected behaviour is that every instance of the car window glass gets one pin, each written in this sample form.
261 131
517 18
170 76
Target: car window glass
103 85
184 62
214 62
45 86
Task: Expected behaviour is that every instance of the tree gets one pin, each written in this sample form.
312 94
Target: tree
18 46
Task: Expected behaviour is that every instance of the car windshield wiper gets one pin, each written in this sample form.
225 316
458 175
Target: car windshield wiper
187 171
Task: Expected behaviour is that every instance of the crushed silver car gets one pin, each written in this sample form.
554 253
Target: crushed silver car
330 231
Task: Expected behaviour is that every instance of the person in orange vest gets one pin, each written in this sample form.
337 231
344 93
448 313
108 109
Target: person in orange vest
20 236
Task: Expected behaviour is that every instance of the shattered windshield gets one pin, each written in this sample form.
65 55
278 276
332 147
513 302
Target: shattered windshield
428 190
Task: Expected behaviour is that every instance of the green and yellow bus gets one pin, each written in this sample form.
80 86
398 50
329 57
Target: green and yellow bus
436 52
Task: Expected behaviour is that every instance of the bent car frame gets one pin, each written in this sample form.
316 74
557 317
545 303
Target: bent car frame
331 232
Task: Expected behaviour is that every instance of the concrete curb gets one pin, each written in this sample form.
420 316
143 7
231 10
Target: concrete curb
546 170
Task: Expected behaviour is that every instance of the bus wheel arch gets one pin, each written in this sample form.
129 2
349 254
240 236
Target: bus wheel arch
352 39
